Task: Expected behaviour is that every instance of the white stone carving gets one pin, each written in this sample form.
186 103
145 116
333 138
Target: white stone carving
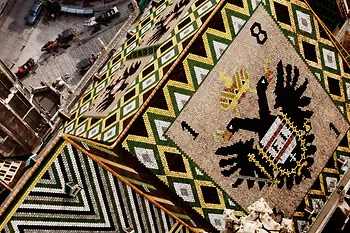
258 220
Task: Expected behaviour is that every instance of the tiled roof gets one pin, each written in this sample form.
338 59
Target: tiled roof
104 204
177 72
310 39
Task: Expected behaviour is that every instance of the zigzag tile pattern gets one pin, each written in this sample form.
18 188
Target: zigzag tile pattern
332 72
121 165
187 26
187 179
105 204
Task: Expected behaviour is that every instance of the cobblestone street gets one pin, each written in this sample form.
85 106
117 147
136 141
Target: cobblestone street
52 65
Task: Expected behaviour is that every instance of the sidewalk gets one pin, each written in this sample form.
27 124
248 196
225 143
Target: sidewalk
3 4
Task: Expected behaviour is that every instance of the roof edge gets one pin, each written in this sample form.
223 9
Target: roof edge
165 77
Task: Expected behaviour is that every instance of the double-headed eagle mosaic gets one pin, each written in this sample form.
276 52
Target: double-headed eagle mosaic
283 154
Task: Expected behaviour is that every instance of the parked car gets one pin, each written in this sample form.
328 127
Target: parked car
110 14
67 35
34 12
85 64
104 18
27 67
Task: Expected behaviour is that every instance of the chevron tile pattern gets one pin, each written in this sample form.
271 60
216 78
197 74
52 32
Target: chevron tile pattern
108 128
104 204
310 40
165 159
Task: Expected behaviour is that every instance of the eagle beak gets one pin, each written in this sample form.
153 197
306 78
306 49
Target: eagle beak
268 76
227 135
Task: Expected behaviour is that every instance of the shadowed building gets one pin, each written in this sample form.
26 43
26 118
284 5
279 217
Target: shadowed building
48 98
23 127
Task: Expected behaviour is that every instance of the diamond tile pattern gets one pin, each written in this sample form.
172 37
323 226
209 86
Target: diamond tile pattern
143 83
296 21
302 28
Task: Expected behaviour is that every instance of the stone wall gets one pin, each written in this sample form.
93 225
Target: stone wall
23 126
18 131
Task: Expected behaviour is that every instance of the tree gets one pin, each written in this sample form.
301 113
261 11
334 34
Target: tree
52 7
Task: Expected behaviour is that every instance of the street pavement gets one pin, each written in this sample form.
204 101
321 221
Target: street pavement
13 31
18 45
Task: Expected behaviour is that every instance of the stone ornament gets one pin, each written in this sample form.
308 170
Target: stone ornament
258 220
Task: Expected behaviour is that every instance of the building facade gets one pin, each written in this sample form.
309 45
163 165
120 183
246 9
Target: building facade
23 125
